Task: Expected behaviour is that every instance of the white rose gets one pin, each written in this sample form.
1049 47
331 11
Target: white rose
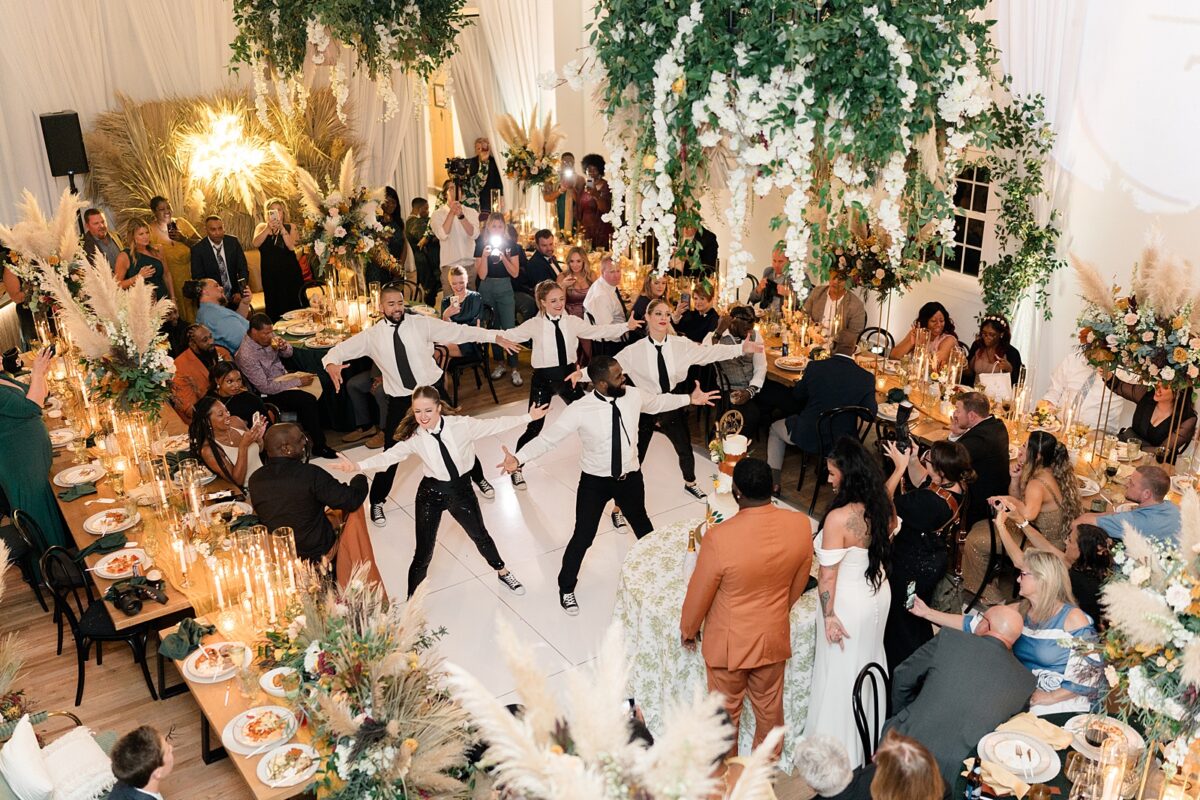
311 656
339 231
319 248
1178 597
1167 374
1110 675
1140 574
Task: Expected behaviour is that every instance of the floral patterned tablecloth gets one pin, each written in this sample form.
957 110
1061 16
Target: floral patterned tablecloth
649 602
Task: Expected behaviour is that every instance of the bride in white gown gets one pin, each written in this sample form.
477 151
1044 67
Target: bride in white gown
853 551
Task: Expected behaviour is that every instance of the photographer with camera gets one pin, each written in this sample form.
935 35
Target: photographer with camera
928 513
455 225
497 263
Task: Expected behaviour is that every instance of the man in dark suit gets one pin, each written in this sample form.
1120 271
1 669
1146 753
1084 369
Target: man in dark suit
140 761
832 383
939 700
541 266
221 258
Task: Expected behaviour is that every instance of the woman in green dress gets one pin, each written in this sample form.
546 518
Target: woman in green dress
25 452
145 260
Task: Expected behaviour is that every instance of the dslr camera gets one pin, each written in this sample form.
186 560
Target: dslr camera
128 596
458 169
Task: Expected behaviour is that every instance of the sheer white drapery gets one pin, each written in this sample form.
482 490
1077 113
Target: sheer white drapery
474 88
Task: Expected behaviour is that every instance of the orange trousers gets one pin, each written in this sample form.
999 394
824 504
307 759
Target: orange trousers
765 687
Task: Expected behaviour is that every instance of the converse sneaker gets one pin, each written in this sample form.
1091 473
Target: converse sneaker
485 488
510 580
568 603
694 491
618 519
377 516
519 481
516 378
498 372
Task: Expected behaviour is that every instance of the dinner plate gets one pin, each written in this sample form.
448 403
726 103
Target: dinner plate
1181 483
60 437
1052 426
230 742
297 313
83 473
302 328
171 444
1027 758
290 777
891 366
1087 486
423 310
1124 507
54 413
241 509
791 363
118 565
208 477
887 411
281 727
267 681
113 520
1077 725
323 340
201 674
1129 459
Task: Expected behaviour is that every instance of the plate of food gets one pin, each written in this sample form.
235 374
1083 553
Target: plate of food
302 328
1014 450
1087 486
213 663
887 411
61 437
120 564
206 477
1027 758
279 681
891 366
263 725
323 340
84 473
171 444
288 765
1122 507
423 310
228 512
1182 483
1111 726
791 363
111 521
297 314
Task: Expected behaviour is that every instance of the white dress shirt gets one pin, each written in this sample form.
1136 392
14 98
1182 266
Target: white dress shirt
457 246
540 330
418 333
602 303
458 434
640 359
591 417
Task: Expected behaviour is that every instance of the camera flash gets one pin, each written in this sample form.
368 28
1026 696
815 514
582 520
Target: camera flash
568 172
495 241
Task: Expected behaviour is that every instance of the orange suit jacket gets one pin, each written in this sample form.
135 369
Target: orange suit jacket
750 570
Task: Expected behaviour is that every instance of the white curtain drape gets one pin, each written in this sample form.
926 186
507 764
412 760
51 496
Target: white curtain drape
474 88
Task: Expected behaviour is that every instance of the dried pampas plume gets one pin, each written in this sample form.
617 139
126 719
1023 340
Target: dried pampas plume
104 294
346 175
1144 617
695 735
755 781
541 712
1091 286
1189 531
1189 673
597 721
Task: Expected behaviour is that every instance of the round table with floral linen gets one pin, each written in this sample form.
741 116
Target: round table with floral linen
649 604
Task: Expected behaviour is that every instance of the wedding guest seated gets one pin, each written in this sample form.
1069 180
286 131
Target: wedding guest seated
191 381
541 266
935 702
1157 410
228 326
228 387
290 492
260 358
1075 380
834 301
1066 681
770 290
1087 555
1154 517
221 258
363 387
698 322
992 351
653 288
425 249
223 443
141 759
834 382
935 319
905 770
97 238
463 306
745 374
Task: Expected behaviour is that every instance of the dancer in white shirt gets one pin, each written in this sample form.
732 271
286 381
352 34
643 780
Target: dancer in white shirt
555 336
603 418
659 364
401 345
445 443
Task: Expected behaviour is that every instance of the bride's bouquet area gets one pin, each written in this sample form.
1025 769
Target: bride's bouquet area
41 247
584 752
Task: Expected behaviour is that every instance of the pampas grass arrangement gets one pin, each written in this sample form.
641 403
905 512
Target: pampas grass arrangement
139 150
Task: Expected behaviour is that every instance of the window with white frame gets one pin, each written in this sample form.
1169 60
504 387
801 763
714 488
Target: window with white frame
974 237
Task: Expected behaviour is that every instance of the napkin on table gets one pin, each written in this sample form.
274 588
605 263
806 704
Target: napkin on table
1040 729
185 639
105 544
77 491
1000 780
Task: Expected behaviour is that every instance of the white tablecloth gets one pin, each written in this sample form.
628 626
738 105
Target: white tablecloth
649 603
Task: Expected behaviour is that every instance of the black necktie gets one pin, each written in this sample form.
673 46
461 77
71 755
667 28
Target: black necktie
219 251
402 366
664 377
621 300
560 342
453 470
617 460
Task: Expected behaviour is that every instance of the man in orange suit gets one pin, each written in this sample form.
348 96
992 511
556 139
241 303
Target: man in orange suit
750 571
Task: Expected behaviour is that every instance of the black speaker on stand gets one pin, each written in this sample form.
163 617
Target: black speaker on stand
64 148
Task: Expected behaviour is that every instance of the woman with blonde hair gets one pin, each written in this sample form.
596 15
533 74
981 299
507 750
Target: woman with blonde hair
282 278
1066 680
142 260
575 280
445 443
905 770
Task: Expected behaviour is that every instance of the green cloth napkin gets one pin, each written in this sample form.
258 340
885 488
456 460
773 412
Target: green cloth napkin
105 544
185 639
896 396
245 521
76 492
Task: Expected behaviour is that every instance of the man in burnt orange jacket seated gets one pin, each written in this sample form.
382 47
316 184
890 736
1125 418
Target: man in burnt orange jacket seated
750 571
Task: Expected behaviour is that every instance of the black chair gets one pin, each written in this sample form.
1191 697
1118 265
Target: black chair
480 363
88 618
310 286
22 553
878 340
870 731
826 422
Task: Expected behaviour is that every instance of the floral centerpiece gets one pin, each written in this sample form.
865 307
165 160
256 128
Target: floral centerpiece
40 247
1152 646
118 335
342 227
1153 332
370 685
863 263
532 155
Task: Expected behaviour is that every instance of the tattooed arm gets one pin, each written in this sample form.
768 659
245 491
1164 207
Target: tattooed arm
835 536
